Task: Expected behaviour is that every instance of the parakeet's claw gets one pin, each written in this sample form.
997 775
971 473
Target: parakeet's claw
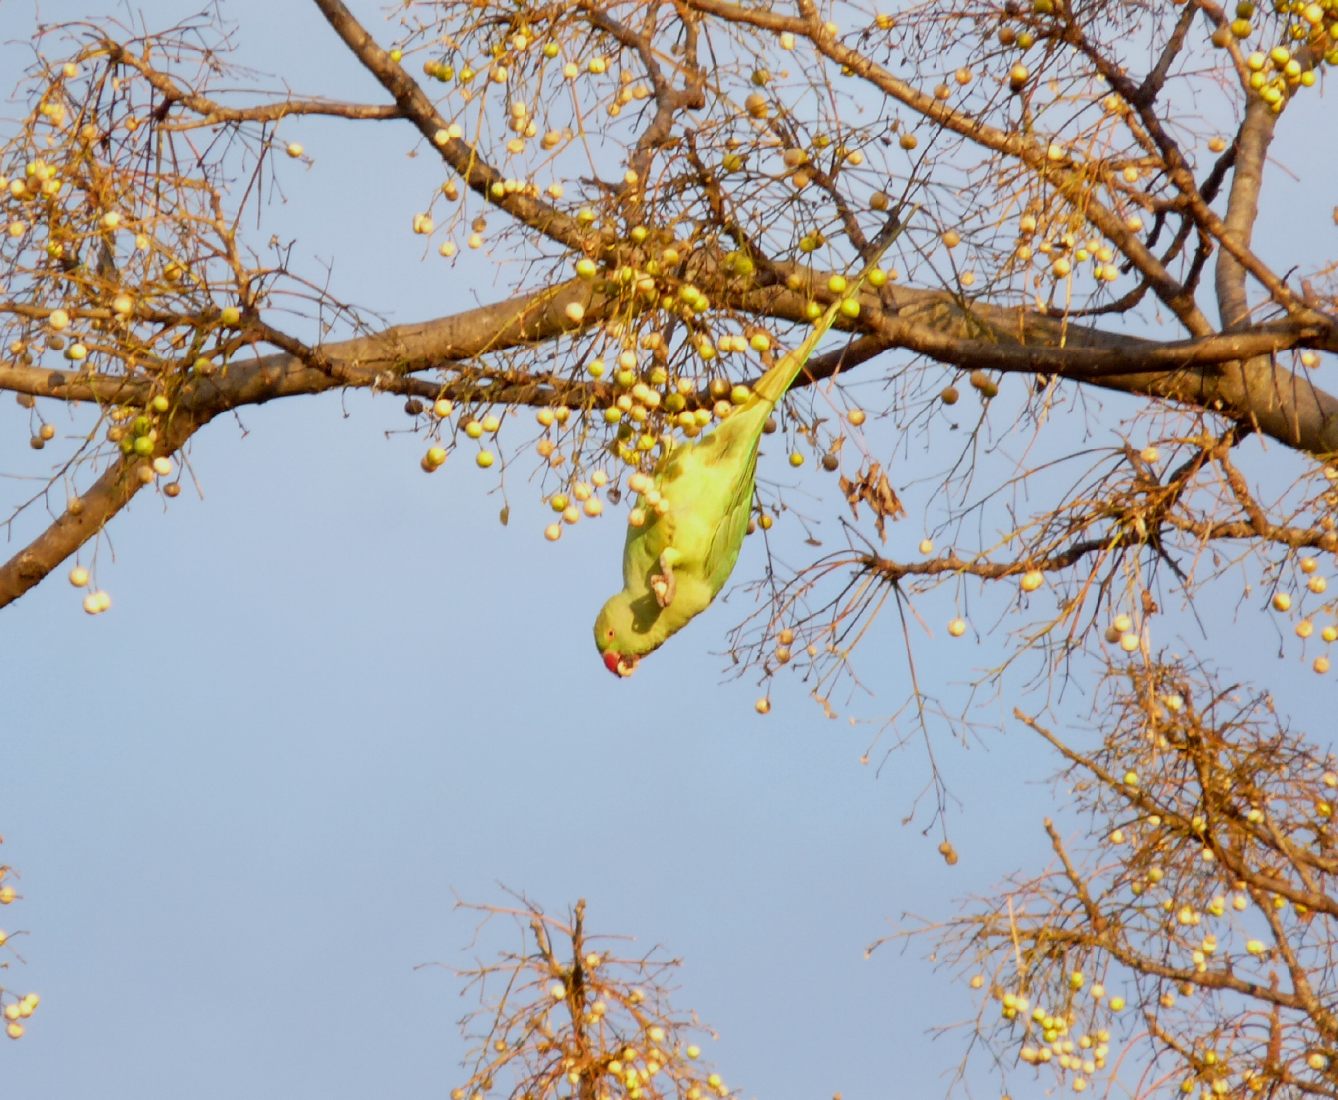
663 587
662 583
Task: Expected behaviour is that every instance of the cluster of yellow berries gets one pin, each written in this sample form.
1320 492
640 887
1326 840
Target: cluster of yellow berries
1048 1039
96 602
1314 583
1122 632
584 501
648 407
16 1009
39 180
1310 38
1310 33
499 66
1065 250
30 199
76 236
1187 916
474 428
626 1069
520 120
15 1012
135 433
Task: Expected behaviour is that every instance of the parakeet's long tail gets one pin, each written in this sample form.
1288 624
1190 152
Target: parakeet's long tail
771 387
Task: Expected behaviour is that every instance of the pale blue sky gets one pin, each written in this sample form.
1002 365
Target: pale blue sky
335 695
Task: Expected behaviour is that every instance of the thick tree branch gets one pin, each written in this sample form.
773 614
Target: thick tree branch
1203 373
1279 402
1252 142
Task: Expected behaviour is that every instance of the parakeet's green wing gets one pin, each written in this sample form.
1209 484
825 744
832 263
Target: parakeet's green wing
744 428
727 539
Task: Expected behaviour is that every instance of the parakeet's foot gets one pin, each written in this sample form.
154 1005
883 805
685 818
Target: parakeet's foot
663 587
662 583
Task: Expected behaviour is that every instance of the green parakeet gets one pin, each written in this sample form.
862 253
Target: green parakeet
697 511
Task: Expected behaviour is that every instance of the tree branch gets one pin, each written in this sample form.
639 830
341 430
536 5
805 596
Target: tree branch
1252 142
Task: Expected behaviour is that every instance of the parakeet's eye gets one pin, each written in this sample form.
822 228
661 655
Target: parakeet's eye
610 633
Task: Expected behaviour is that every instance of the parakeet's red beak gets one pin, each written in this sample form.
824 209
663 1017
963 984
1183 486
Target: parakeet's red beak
619 664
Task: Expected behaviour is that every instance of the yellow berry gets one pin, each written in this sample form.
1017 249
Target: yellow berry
95 603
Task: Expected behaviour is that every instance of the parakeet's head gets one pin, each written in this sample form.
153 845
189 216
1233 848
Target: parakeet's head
617 639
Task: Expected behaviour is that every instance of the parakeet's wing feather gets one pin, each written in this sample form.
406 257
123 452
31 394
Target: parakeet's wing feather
727 538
